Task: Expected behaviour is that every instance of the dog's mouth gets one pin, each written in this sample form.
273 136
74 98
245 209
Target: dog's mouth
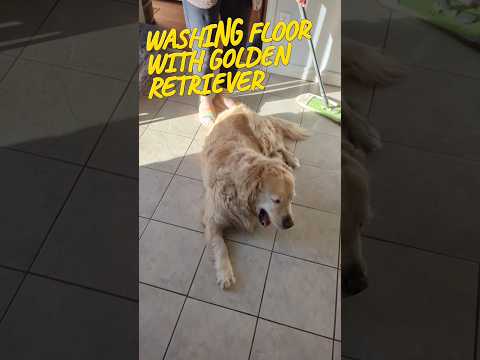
263 217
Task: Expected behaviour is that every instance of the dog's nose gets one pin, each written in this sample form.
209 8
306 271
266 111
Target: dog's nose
287 222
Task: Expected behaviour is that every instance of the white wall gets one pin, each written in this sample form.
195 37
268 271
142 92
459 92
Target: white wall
325 16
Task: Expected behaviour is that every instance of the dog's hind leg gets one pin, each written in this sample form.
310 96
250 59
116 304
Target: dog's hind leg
216 244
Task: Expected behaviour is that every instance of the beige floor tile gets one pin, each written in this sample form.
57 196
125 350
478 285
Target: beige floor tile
284 108
320 150
152 185
261 237
202 134
178 119
142 224
300 294
250 267
182 204
278 342
318 124
169 256
191 165
191 100
158 314
208 332
162 151
314 237
337 350
141 130
148 109
61 120
112 25
318 188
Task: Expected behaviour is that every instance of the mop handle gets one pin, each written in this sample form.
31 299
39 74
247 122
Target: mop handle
315 62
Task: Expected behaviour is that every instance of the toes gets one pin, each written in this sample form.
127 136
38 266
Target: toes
225 279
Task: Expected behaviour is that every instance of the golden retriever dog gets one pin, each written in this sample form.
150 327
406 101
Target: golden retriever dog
248 179
355 215
368 66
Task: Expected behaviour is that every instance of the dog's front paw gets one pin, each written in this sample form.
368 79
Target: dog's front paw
354 280
225 277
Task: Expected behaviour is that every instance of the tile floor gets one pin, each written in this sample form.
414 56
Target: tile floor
285 304
422 246
67 184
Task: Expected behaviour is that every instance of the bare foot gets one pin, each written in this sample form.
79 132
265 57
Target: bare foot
206 111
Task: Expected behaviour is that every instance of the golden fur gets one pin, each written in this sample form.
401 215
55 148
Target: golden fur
247 175
368 66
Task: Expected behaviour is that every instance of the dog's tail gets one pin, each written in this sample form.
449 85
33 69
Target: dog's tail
289 130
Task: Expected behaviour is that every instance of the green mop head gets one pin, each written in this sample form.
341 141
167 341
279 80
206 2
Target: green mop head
317 104
452 15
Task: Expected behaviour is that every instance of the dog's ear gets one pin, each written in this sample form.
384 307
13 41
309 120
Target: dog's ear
251 184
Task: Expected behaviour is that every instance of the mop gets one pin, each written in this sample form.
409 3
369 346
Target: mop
460 17
319 104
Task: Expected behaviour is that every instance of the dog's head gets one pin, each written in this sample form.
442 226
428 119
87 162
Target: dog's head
274 195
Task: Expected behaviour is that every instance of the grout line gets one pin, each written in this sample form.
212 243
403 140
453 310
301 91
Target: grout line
17 57
296 328
428 251
374 87
184 302
86 287
261 298
222 306
305 260
176 101
161 288
140 235
74 69
41 156
188 296
232 309
428 151
198 266
161 198
247 244
477 320
112 172
64 203
312 208
444 71
387 30
47 157
254 334
184 156
335 314
339 280
11 268
39 249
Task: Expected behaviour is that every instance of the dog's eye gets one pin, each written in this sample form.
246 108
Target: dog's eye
276 201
